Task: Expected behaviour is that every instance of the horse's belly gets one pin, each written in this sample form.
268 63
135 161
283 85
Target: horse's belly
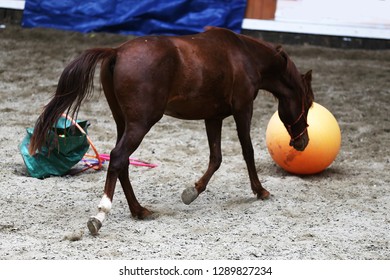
197 109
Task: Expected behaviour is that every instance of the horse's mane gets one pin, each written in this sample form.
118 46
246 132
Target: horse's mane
292 75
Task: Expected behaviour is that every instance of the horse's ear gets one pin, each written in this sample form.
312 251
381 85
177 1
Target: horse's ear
307 76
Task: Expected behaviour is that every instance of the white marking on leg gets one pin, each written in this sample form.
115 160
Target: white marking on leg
105 204
104 208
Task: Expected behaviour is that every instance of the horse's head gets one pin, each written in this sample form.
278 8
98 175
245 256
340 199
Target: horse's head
293 113
295 96
279 75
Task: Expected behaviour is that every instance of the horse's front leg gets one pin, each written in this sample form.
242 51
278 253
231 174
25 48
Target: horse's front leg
243 122
213 129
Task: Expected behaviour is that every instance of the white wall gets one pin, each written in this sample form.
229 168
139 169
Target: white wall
344 12
350 18
12 4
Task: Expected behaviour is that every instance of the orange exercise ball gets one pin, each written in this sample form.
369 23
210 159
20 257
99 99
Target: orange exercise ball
324 143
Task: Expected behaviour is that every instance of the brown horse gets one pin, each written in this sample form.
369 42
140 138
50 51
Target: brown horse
209 76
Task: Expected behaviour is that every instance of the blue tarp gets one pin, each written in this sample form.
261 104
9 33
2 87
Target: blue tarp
137 17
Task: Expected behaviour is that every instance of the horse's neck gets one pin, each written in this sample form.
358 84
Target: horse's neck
279 76
270 65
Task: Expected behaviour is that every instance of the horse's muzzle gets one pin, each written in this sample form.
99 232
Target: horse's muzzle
301 142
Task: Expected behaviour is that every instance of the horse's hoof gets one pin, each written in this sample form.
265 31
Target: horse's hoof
94 225
189 195
150 217
144 214
264 195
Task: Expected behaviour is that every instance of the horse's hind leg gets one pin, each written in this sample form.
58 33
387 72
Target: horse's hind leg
118 168
243 122
127 142
213 129
104 207
137 211
119 165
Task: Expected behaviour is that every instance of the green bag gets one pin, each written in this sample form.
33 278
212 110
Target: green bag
65 149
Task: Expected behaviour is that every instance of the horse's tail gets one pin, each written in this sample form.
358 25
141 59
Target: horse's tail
74 85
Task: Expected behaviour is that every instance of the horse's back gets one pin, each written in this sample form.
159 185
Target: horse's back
194 74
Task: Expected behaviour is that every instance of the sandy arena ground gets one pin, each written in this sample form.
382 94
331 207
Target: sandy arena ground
342 213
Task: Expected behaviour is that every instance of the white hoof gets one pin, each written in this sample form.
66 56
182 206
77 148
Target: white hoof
94 225
189 195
